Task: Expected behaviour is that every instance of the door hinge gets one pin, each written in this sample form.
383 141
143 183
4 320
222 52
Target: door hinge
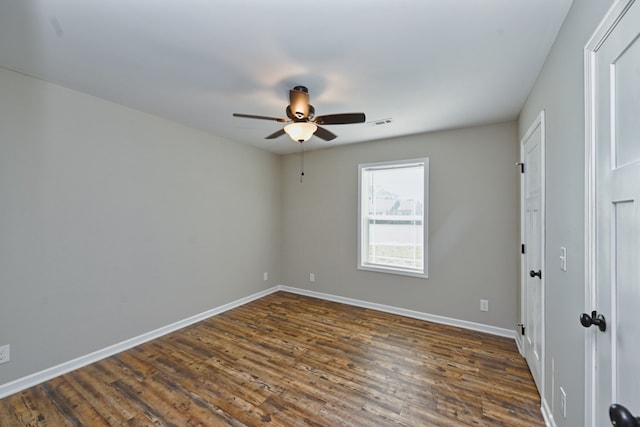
522 248
521 328
521 166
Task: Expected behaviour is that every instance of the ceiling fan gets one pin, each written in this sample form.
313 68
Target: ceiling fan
303 123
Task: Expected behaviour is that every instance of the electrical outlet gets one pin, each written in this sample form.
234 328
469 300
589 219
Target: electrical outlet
563 258
4 353
484 305
265 276
312 277
563 403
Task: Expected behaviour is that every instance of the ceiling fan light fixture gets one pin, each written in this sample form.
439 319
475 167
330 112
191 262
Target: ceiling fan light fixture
300 131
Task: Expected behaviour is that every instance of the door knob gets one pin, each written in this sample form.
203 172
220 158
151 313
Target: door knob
536 273
594 319
622 417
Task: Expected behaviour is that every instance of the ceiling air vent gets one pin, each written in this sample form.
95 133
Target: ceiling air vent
379 122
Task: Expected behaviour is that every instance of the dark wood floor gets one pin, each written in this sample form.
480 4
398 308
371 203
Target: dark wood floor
290 360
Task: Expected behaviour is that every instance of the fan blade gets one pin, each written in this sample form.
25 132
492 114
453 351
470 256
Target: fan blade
340 119
275 134
322 133
251 116
299 103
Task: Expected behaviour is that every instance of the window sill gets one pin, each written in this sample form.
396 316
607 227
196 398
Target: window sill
395 271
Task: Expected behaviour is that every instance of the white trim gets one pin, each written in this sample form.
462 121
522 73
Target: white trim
610 20
465 324
547 414
55 371
519 343
589 230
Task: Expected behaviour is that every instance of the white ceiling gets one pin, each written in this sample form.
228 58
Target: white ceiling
426 64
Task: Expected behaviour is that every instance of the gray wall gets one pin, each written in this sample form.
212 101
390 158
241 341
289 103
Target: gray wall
560 92
473 220
114 223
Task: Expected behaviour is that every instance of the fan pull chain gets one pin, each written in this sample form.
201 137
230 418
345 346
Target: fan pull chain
301 162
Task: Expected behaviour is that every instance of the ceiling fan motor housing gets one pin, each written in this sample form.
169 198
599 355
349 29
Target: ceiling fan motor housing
299 102
299 115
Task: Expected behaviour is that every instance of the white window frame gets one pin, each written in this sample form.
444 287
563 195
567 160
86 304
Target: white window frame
363 240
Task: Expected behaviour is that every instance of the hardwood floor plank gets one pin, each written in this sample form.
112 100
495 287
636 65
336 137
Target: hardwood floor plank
22 411
73 404
49 413
288 359
113 407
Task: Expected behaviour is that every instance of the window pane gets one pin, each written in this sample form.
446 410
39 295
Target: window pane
392 216
395 244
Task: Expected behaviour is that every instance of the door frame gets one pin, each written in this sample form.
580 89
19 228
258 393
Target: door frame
539 122
610 20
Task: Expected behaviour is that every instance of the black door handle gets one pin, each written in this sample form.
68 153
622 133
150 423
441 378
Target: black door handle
622 417
594 319
536 273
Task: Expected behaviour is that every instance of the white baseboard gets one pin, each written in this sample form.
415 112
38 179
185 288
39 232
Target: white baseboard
520 344
547 415
55 371
405 312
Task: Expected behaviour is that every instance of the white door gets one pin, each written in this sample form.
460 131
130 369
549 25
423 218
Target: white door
614 75
532 287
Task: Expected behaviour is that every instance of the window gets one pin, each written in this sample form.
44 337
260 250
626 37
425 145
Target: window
392 217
